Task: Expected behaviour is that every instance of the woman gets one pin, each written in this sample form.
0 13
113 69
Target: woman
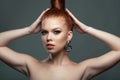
55 25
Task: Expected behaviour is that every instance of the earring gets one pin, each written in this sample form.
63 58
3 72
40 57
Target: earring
68 46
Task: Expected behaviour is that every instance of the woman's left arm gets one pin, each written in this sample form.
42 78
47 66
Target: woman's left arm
109 59
111 40
99 64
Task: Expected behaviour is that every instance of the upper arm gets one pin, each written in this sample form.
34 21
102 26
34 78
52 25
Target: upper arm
99 64
14 59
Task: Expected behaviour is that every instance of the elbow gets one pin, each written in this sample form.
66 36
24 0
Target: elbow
3 45
117 54
117 51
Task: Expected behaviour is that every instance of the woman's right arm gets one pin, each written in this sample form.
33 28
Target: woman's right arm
16 60
9 36
12 58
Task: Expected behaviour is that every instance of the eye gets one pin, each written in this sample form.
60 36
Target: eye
57 32
44 32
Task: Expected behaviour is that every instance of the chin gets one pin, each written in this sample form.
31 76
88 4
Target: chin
54 51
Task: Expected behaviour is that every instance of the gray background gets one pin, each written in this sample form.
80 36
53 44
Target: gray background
101 14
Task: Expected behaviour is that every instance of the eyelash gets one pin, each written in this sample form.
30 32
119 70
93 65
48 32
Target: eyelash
55 32
44 32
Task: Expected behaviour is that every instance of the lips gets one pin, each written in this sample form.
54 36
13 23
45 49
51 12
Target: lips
50 46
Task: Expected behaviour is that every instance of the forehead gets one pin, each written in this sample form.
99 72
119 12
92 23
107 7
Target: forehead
54 22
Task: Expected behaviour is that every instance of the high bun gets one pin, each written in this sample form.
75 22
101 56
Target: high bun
58 10
58 4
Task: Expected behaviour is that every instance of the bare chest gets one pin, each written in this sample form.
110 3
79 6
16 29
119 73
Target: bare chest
57 73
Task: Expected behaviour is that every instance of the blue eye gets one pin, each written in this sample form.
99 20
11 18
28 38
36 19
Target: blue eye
44 32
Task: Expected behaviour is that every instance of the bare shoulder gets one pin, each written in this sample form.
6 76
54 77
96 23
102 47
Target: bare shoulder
84 67
29 57
86 62
30 60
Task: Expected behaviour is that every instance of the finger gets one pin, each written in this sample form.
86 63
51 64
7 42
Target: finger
79 29
39 18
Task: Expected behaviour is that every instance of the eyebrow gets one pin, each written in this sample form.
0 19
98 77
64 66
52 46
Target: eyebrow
57 28
52 29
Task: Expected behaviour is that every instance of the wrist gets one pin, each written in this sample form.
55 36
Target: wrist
27 30
88 29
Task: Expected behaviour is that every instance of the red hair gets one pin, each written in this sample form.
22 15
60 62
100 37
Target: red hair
58 10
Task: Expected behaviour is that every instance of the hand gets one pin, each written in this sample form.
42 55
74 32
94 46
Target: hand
35 27
79 26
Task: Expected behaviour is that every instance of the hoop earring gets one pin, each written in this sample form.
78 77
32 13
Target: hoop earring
68 46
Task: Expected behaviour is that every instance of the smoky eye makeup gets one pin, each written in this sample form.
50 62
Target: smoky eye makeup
57 32
44 32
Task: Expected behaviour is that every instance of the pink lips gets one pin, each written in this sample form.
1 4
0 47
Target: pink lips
50 46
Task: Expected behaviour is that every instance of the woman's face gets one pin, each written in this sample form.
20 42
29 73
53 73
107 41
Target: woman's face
55 34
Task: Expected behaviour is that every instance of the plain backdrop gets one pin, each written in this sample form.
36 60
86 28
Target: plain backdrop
100 14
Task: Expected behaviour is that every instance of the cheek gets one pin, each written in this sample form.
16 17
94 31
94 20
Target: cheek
61 40
58 40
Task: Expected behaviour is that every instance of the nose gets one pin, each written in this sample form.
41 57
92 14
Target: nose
49 37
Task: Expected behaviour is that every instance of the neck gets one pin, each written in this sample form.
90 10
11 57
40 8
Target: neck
59 58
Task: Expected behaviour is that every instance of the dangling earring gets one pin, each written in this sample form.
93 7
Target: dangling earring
68 46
